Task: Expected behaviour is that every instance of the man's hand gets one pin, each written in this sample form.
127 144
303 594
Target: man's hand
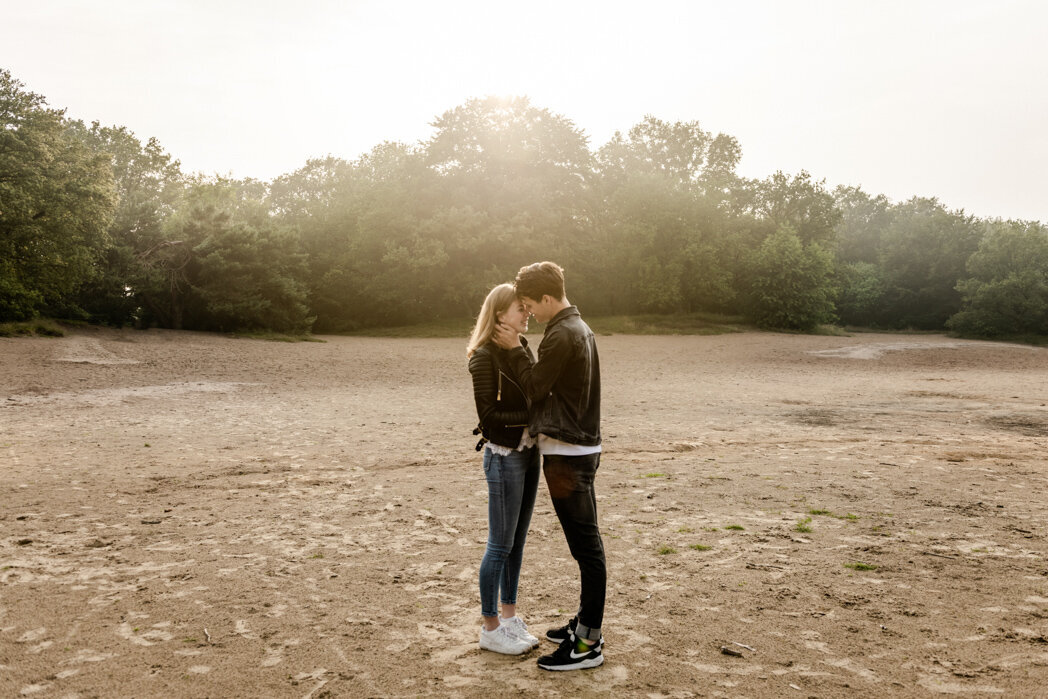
506 338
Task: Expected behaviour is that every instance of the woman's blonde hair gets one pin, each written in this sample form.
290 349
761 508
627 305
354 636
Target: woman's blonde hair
498 301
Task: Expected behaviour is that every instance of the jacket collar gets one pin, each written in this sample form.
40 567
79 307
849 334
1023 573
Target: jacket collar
561 315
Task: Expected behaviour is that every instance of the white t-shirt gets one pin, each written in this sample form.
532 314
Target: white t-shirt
549 445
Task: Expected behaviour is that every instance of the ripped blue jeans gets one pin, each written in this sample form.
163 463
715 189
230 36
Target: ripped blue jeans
512 483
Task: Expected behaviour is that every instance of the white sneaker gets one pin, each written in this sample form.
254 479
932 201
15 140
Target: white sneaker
502 640
519 629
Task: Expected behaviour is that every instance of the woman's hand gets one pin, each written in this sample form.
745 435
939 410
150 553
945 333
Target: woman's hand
506 337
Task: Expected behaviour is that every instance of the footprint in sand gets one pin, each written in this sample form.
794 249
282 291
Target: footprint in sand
87 655
31 689
854 668
275 654
148 638
81 350
241 629
33 635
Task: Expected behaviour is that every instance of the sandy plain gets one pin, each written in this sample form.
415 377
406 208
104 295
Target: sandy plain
192 515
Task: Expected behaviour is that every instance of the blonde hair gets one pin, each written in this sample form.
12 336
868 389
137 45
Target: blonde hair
498 301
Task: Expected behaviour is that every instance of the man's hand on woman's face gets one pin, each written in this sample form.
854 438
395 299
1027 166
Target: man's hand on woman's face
506 337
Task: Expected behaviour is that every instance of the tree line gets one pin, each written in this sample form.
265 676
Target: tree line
98 225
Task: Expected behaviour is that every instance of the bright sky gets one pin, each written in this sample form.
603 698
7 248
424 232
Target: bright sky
945 98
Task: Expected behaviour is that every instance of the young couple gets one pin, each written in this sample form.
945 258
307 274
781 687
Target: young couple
549 407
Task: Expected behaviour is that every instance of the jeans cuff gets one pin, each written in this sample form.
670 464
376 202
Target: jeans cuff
587 633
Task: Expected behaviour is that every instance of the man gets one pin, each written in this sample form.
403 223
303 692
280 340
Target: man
563 387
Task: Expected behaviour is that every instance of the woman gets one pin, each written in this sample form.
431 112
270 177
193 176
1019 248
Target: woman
511 465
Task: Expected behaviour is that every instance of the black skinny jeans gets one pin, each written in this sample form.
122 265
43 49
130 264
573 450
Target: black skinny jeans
570 482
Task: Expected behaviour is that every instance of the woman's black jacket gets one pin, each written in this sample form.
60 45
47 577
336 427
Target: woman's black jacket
501 404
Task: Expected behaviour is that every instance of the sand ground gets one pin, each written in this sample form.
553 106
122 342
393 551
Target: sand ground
191 515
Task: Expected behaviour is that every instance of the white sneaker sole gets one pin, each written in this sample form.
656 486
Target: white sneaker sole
580 665
520 650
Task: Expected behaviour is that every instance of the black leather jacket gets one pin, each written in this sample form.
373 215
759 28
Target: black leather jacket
501 404
564 384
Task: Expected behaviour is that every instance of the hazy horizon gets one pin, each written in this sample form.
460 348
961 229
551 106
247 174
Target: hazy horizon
931 98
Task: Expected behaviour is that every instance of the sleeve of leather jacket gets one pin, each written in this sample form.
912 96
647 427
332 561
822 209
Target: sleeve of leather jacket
485 388
538 378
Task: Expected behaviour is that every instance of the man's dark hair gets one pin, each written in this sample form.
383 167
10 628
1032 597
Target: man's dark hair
540 279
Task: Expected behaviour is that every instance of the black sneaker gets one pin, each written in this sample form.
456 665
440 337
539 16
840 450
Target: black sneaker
568 656
559 635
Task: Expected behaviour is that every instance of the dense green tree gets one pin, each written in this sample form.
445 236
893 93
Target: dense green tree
681 153
659 244
791 284
149 185
505 155
860 292
798 202
923 255
96 223
224 264
656 249
526 168
322 202
380 278
675 151
1006 292
56 203
251 278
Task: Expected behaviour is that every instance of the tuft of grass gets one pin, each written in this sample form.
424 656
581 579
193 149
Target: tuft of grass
42 327
860 566
803 526
735 527
663 550
654 474
685 530
48 329
830 330
828 513
699 547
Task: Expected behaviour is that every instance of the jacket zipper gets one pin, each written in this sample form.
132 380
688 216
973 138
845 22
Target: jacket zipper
512 382
499 396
